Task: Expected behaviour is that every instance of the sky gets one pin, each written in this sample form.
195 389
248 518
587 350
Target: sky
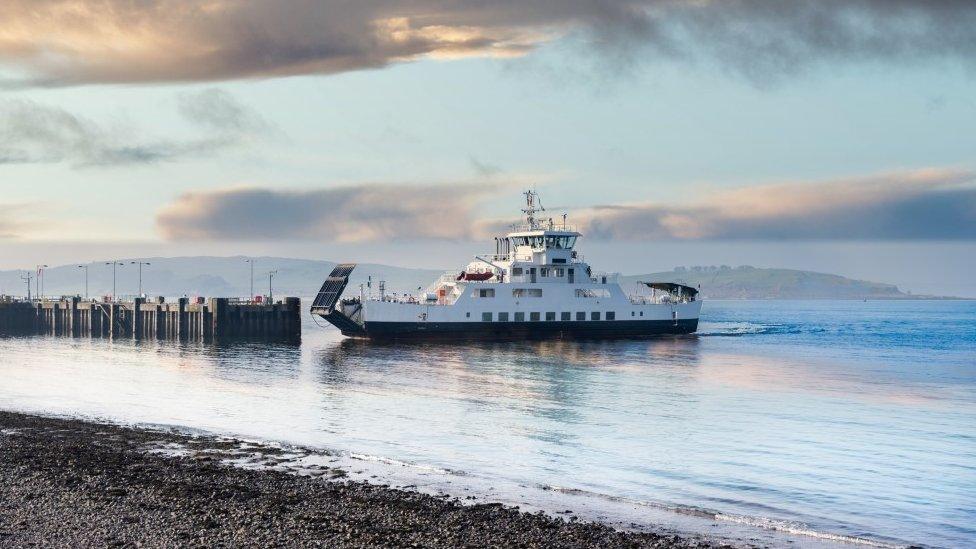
828 135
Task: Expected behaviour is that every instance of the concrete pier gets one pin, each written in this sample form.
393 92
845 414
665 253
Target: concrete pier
183 319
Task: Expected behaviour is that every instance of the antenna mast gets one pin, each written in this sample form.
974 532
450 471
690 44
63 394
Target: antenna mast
530 208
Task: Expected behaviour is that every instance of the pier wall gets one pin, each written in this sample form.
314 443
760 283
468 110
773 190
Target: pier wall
181 319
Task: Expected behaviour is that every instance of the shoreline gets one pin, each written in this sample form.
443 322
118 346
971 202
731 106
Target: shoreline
70 482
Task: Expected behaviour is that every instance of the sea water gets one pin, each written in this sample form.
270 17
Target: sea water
844 421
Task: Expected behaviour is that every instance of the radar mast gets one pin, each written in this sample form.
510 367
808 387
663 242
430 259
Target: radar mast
531 198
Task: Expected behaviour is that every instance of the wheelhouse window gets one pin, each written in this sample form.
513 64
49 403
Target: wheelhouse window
483 292
560 242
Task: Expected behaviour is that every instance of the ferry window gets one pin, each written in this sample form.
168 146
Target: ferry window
632 313
594 315
544 271
490 292
564 316
486 317
559 260
560 272
502 317
527 292
611 315
550 316
642 313
598 292
533 316
516 271
468 315
580 316
519 317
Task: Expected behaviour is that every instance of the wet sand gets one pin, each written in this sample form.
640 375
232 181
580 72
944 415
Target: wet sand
71 483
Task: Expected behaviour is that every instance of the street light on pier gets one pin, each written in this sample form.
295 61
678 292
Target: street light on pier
26 277
140 264
85 267
251 261
113 264
271 275
39 281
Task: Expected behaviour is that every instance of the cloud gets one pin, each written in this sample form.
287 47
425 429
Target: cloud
917 205
67 42
341 214
34 133
219 111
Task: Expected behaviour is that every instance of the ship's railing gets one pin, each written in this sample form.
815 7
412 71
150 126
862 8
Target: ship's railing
659 299
543 226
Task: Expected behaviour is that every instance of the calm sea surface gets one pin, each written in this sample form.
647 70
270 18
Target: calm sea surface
827 419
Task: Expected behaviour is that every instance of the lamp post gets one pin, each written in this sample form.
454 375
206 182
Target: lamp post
113 264
251 261
85 267
26 277
140 264
39 281
271 275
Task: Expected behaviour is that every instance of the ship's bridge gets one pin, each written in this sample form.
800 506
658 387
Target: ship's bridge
543 246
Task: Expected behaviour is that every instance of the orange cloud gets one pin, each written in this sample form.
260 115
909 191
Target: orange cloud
922 204
339 214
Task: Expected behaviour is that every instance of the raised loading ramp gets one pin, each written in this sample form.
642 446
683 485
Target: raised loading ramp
332 288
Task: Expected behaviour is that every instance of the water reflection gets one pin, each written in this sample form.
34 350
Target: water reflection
551 380
782 421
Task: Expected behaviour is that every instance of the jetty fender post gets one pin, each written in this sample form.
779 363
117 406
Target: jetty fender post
218 308
293 310
73 326
181 318
137 317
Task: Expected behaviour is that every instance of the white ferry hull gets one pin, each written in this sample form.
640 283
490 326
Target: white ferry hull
392 320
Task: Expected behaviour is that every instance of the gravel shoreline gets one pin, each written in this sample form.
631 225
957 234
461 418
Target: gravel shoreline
72 483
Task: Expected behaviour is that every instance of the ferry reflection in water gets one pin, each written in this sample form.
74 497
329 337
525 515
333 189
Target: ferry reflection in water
828 418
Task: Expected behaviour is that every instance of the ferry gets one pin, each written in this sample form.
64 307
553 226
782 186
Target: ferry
535 285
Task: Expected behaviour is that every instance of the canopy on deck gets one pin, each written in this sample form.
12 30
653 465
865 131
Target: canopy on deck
673 288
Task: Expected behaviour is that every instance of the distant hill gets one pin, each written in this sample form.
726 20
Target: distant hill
755 283
230 277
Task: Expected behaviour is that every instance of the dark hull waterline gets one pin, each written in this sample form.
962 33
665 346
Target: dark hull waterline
620 329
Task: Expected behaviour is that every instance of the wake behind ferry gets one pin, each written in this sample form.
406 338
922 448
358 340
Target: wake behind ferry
535 285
